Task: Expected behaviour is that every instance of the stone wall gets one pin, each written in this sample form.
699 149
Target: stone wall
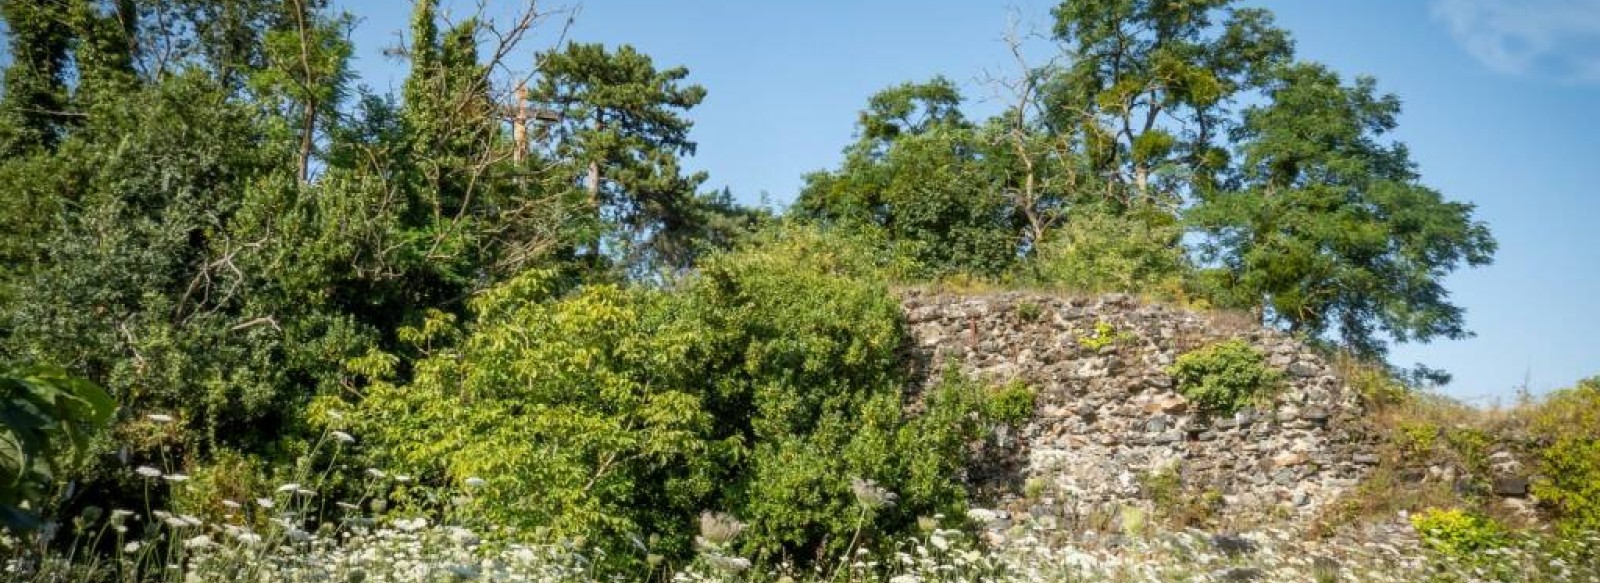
1108 418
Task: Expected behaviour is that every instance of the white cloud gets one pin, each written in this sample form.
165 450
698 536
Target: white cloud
1555 38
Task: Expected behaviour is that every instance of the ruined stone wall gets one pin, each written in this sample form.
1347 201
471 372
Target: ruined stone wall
1109 419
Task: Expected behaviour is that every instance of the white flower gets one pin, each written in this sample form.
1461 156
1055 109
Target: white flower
402 478
148 472
289 487
939 542
247 537
475 481
344 437
230 504
176 477
982 515
190 520
375 472
132 547
159 417
197 542
264 502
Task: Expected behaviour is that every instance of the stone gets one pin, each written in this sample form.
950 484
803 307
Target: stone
1099 415
1303 369
1511 486
1289 459
1232 545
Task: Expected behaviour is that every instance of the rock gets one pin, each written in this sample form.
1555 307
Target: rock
1289 459
1511 486
1242 574
1303 369
1233 545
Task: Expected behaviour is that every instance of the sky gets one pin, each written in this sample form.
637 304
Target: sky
1500 99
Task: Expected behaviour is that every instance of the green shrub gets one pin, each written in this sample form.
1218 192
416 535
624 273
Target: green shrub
1029 311
1104 335
1457 533
1011 403
1223 377
1569 466
1098 250
766 386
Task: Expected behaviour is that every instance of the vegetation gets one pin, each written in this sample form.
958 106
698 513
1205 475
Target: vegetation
489 323
1224 377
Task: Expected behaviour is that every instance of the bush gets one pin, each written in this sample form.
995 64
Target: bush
1096 250
1223 377
1569 466
1456 533
766 385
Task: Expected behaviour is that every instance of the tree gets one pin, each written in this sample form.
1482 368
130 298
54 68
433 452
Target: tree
1150 86
1331 230
918 172
624 131
35 88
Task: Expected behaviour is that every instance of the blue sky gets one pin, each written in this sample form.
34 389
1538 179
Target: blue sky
1500 100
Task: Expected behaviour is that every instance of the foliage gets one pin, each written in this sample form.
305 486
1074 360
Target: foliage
47 419
1104 335
761 384
1457 533
1332 230
921 182
1224 377
1568 421
1099 251
622 131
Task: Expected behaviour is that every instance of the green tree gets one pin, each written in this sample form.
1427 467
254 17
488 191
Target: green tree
918 173
35 88
1331 231
623 132
1149 89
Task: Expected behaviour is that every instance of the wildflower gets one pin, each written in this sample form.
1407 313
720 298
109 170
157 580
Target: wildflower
718 529
289 487
176 477
347 506
982 515
159 417
939 542
265 502
343 437
475 482
247 537
132 547
148 472
729 564
197 542
231 504
375 472
190 520
402 478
